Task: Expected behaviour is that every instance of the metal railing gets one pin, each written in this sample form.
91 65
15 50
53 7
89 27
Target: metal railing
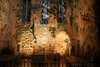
13 63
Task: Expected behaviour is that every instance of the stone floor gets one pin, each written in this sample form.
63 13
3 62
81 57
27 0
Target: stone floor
70 61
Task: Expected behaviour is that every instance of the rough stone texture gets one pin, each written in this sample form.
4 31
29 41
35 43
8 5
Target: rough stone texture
84 29
82 19
44 36
8 18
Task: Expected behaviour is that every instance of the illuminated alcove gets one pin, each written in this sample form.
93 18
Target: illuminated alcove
77 36
47 38
44 33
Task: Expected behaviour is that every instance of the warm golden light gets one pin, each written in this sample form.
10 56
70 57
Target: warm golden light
62 43
47 35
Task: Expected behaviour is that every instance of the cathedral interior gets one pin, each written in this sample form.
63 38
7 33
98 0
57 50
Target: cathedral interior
49 33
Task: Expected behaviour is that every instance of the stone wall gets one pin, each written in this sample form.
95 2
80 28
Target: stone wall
83 28
8 17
